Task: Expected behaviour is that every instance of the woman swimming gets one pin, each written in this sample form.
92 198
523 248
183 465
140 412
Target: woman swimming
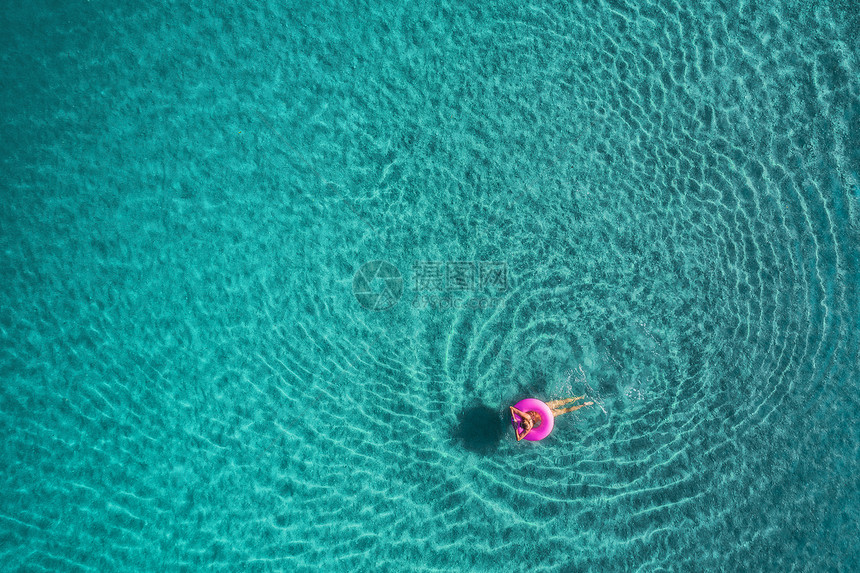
533 419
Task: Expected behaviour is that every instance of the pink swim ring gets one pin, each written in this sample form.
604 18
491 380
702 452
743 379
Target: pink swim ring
547 422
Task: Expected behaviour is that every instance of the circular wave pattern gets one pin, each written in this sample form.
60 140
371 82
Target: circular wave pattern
190 381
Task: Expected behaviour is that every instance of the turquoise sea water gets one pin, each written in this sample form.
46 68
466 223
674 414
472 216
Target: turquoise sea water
649 204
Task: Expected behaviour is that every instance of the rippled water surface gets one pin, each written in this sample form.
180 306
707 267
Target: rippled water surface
651 205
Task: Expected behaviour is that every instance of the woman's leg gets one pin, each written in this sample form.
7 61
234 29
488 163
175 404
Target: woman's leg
556 403
571 409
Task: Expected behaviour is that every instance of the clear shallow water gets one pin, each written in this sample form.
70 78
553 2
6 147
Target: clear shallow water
188 380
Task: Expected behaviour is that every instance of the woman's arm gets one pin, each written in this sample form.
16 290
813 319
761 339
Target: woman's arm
520 413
